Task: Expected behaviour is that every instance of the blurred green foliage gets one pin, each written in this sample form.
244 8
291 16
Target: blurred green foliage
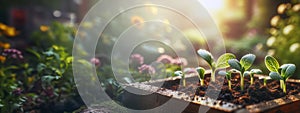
284 43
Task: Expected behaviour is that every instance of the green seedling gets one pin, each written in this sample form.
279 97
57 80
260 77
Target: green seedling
251 74
282 73
228 76
222 61
242 66
201 75
265 79
182 75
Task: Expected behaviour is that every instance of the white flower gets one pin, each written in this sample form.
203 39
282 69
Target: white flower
294 47
296 7
275 20
271 41
287 29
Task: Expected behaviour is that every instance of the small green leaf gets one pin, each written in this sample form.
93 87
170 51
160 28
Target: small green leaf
247 61
222 61
289 70
271 63
226 74
201 72
49 78
235 64
178 73
247 73
34 53
206 56
275 76
256 71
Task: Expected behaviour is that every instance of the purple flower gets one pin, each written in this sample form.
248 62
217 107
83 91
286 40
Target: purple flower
95 61
136 59
49 92
180 61
12 53
146 69
166 59
17 91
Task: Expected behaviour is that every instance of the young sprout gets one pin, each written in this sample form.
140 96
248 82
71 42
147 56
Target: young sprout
222 61
228 76
281 73
182 75
251 74
265 79
201 74
243 65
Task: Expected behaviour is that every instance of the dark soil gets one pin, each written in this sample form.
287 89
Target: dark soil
252 94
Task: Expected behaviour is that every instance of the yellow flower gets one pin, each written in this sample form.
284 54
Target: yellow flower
30 80
137 21
275 20
44 28
2 59
11 31
4 45
3 26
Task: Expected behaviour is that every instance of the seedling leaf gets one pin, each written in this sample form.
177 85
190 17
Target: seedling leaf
206 56
201 72
247 61
178 73
222 62
271 63
256 71
235 64
247 73
275 76
289 71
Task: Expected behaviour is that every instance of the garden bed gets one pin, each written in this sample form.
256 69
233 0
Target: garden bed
255 98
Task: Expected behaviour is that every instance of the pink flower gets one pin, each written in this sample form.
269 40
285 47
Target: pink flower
166 59
13 53
136 59
95 61
180 61
146 69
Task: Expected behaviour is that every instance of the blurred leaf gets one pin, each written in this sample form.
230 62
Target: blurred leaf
34 53
41 67
49 78
222 61
247 61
